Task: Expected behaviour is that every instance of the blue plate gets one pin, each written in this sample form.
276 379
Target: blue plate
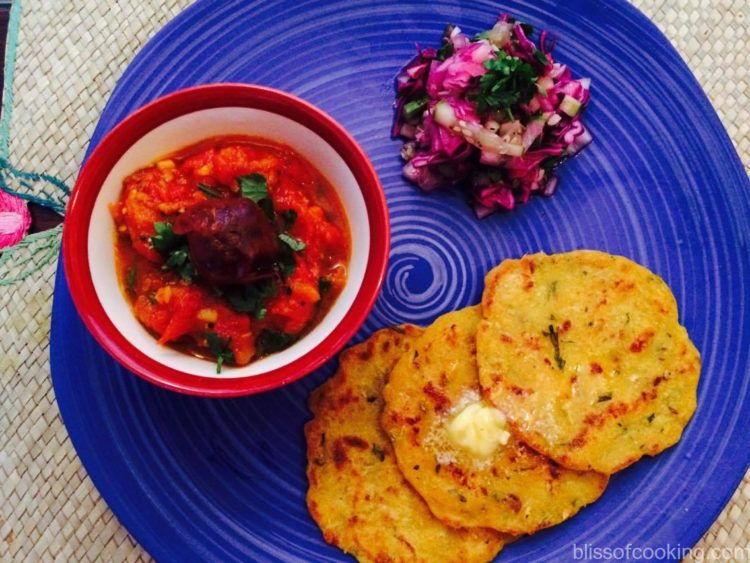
225 479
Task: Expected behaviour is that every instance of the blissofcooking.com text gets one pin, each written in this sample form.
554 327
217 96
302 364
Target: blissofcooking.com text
589 552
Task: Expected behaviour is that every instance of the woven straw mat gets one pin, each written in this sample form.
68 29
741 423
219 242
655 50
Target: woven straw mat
49 509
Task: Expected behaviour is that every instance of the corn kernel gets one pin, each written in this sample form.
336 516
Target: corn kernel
166 164
208 315
164 294
204 170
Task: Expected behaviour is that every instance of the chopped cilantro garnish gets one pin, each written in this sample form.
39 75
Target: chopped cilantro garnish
132 279
289 217
508 81
208 190
286 264
378 452
219 347
291 242
553 336
415 107
549 163
175 259
541 58
165 239
605 397
179 261
446 49
267 206
250 298
270 341
324 285
175 247
253 186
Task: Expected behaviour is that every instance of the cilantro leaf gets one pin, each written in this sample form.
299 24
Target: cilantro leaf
175 259
175 247
549 163
446 49
210 191
165 238
554 338
540 57
293 243
131 279
253 186
267 206
187 272
415 107
324 285
286 264
509 81
289 217
179 261
250 298
270 341
219 347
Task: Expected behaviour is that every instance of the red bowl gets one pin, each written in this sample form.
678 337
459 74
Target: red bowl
177 120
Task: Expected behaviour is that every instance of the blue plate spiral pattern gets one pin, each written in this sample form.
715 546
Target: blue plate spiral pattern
198 479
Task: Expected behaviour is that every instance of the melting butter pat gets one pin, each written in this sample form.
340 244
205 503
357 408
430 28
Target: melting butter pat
478 429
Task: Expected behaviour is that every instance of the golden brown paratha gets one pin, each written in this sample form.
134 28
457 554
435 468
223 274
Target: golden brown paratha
584 354
513 489
357 495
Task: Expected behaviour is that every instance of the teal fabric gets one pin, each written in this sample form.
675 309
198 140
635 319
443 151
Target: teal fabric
38 250
10 67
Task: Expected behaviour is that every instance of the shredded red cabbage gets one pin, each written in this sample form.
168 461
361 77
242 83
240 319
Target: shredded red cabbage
494 113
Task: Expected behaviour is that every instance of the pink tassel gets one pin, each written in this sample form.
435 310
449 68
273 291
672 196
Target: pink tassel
15 219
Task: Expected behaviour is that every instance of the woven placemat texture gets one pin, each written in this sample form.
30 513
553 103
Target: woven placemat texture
69 56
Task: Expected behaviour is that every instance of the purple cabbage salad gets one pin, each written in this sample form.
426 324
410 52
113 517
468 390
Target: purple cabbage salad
493 113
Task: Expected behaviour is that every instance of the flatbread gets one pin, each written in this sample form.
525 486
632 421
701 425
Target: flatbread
357 495
513 489
584 354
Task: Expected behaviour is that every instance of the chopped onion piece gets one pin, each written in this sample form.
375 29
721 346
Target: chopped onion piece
444 114
570 106
499 35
